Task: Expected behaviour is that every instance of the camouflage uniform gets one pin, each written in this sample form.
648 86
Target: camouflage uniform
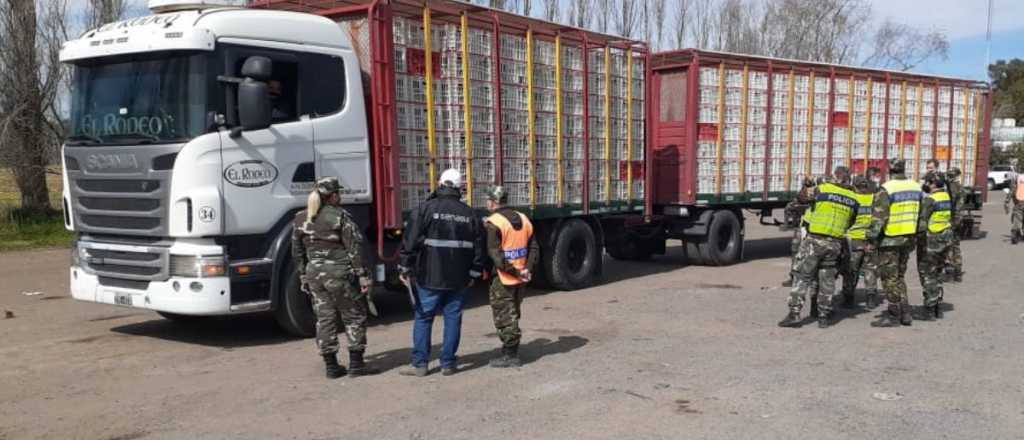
893 256
798 208
955 259
506 300
328 250
1017 217
932 253
815 270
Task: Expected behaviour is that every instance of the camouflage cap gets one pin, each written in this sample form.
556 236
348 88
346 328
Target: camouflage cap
498 194
861 182
897 166
328 185
808 182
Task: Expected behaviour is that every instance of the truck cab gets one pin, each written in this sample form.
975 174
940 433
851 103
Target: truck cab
196 135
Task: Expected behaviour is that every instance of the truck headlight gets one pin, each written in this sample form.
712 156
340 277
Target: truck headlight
78 255
191 266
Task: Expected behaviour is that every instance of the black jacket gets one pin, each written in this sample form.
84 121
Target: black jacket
444 244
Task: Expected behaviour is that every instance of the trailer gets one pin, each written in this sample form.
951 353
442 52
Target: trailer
182 181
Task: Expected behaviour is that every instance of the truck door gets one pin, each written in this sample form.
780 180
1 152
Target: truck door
269 172
673 172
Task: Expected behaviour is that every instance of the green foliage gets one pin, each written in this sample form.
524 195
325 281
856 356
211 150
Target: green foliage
1008 81
20 229
1014 154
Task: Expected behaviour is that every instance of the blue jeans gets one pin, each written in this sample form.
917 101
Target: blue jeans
449 302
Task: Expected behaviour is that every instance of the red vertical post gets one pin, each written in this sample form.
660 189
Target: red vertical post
690 150
831 112
499 145
984 147
586 123
768 130
649 141
885 124
949 137
935 124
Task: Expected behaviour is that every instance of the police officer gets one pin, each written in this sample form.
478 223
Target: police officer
514 251
832 213
1015 195
443 255
859 259
894 217
327 247
935 243
955 262
798 207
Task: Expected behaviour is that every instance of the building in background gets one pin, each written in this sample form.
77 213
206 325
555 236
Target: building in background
1006 133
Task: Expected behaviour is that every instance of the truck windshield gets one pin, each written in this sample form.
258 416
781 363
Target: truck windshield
159 98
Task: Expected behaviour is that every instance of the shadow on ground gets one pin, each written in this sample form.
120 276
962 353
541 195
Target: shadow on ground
529 352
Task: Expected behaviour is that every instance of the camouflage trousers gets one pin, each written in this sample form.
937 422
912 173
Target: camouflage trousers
814 272
339 306
857 262
506 302
1017 217
892 269
932 252
955 259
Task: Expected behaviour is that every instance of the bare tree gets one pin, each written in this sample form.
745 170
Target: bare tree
627 19
658 17
527 7
681 24
496 4
31 35
702 25
581 13
105 11
551 10
899 46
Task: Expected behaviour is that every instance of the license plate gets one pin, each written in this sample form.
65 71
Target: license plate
122 299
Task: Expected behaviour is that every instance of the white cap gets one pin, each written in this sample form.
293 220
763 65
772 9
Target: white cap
452 177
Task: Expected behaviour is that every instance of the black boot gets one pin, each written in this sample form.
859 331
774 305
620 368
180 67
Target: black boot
788 283
958 277
357 367
824 320
1014 238
929 313
334 370
509 358
937 310
889 318
872 301
905 317
791 320
849 300
814 306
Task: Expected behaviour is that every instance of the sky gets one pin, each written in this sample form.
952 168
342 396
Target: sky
963 21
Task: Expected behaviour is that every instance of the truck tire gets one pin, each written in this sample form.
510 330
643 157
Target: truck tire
725 240
295 310
573 259
991 184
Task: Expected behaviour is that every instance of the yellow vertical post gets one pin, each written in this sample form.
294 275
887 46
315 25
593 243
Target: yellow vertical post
967 125
558 120
629 125
903 119
743 128
607 124
721 128
467 108
789 130
810 124
917 132
530 123
867 135
849 125
429 82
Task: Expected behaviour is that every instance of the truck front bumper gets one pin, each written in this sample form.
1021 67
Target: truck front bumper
185 296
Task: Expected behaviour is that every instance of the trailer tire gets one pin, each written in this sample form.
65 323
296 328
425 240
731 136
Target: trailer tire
295 310
573 259
725 240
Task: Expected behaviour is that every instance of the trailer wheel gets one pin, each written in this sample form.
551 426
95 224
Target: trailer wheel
724 240
573 260
295 310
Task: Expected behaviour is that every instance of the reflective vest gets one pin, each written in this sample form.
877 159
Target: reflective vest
942 212
834 207
859 230
515 245
904 207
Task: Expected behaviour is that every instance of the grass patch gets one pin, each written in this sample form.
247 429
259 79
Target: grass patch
20 230
23 230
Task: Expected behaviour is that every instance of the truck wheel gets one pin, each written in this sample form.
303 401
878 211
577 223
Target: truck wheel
295 310
179 318
991 184
573 259
724 240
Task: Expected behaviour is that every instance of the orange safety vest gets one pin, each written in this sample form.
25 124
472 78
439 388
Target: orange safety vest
1020 188
515 244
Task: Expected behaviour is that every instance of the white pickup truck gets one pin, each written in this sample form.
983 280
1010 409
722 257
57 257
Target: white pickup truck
999 176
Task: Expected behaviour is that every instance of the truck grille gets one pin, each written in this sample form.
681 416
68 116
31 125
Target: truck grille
136 264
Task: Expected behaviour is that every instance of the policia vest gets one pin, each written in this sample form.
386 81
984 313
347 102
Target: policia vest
942 212
834 207
514 244
904 206
859 230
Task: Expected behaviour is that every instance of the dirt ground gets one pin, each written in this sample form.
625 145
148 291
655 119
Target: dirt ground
660 350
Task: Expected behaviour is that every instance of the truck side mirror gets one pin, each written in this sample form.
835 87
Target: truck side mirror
254 110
